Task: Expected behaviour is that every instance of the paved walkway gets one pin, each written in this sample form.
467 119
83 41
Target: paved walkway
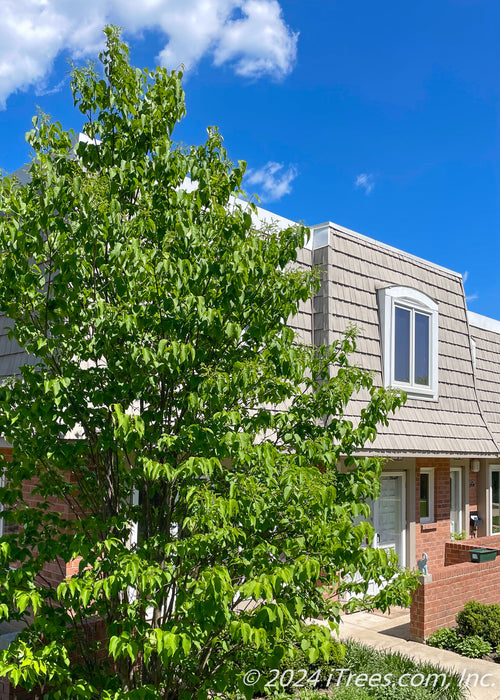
392 633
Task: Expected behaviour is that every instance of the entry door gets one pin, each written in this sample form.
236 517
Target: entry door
389 515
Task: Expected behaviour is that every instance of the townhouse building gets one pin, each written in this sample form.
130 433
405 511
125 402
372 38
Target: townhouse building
440 488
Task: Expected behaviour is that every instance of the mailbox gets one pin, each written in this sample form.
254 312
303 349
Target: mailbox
475 520
483 554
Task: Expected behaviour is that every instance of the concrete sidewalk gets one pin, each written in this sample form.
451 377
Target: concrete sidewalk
392 632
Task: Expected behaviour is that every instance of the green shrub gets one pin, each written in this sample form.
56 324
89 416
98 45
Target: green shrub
474 647
481 620
445 638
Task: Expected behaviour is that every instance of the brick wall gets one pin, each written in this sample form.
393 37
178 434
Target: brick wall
443 593
56 571
458 552
431 537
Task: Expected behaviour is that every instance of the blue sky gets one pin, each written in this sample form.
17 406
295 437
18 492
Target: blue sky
380 116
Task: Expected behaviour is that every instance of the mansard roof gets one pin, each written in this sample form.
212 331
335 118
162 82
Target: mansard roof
354 269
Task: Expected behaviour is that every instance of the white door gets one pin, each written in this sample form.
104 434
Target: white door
389 515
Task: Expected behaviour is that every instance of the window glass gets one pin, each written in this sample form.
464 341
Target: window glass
421 349
402 345
455 501
424 495
495 501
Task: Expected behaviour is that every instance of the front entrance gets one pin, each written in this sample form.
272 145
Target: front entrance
389 515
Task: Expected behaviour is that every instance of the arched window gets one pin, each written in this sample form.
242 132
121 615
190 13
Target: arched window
409 333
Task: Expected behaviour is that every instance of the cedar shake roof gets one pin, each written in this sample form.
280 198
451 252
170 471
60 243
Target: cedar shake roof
353 269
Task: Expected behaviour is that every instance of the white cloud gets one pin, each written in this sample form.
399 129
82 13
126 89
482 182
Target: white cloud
42 89
273 180
468 297
251 35
259 42
365 181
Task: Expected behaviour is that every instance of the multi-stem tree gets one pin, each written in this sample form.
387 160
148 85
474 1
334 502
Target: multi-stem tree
170 436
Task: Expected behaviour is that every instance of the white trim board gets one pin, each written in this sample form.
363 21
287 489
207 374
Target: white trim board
484 322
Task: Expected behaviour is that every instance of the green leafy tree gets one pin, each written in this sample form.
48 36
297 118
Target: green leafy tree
171 438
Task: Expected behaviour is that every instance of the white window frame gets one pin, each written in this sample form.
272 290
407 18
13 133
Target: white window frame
416 302
431 518
459 528
492 468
